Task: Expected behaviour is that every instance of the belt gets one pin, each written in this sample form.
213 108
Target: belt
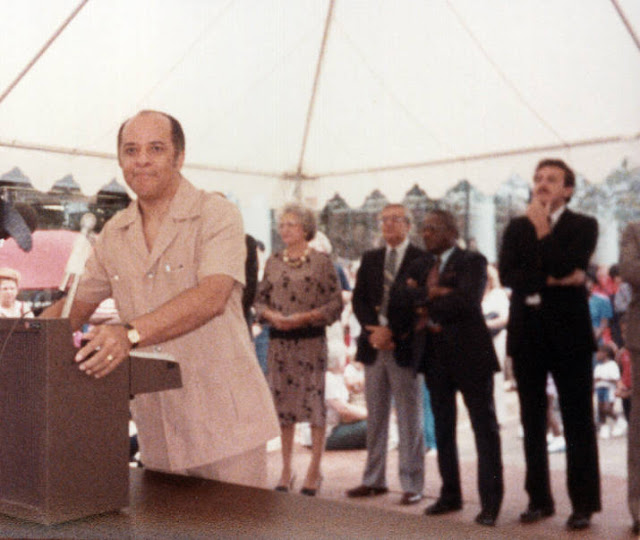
297 333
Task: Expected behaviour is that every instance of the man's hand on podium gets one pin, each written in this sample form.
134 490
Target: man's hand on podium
107 347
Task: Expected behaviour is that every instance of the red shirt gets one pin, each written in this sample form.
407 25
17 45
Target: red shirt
624 359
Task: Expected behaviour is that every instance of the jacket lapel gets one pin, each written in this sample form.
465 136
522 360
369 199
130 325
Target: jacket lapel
377 271
565 219
406 260
448 272
130 222
183 206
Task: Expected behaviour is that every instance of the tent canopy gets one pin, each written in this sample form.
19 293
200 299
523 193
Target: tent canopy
322 96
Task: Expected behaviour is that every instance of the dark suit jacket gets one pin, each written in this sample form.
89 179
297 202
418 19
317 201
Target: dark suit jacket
464 346
367 297
525 263
251 276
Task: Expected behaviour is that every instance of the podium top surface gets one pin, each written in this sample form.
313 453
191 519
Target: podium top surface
147 371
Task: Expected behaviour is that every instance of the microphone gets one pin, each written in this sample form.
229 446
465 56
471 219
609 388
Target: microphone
75 265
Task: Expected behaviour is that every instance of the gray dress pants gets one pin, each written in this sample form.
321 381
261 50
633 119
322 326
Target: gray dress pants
384 381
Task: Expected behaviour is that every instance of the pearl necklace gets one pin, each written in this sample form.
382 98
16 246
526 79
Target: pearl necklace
298 261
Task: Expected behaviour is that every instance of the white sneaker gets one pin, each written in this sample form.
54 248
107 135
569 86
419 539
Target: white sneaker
620 428
557 444
605 432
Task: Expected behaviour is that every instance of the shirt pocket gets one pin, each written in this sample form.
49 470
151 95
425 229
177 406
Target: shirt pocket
174 275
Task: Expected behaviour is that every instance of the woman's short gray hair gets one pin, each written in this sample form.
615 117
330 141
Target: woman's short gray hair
306 217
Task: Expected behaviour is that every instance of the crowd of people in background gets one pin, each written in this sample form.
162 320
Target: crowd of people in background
555 334
369 355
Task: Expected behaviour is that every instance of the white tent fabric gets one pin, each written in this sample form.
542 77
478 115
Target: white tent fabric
402 92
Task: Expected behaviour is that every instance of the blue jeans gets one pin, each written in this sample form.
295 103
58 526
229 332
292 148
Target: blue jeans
429 422
348 436
262 346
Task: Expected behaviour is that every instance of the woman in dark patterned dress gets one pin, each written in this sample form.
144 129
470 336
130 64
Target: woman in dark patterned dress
299 296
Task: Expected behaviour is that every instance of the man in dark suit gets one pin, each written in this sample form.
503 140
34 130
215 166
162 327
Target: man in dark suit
442 306
389 370
251 279
543 260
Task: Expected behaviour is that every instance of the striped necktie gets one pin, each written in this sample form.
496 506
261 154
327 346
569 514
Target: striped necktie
390 262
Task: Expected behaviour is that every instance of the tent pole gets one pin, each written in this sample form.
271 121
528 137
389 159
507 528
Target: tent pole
617 139
627 24
42 50
314 91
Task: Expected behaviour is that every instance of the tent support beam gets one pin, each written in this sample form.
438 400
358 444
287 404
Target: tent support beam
79 152
516 91
487 156
44 48
314 91
56 149
627 24
299 177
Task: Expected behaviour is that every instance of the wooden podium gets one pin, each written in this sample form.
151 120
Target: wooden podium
64 442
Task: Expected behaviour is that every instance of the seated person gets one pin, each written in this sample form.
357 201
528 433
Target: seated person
10 306
346 421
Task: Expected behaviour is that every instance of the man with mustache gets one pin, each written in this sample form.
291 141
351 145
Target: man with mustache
543 260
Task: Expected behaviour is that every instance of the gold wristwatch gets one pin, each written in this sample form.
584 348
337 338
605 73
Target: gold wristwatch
132 335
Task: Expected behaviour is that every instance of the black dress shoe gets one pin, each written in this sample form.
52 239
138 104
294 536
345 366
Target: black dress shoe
366 491
534 514
579 521
311 492
286 489
441 507
486 518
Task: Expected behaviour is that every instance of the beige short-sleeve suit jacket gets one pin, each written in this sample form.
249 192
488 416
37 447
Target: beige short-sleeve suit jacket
224 407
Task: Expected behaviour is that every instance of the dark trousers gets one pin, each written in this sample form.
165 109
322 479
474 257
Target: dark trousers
573 376
478 398
626 407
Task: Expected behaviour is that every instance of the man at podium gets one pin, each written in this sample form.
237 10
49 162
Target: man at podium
174 263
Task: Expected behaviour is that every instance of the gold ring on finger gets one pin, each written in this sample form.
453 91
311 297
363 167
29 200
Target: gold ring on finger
109 358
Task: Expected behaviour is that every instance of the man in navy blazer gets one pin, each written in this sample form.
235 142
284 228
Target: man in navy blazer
389 369
454 347
543 259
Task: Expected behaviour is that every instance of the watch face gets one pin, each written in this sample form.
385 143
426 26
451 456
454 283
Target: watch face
133 336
